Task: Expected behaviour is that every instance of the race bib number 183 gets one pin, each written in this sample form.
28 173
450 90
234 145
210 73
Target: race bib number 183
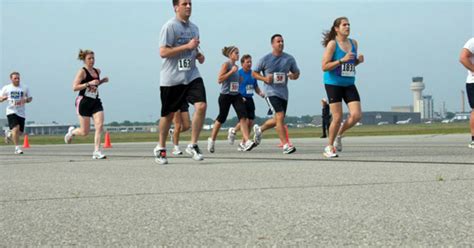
348 70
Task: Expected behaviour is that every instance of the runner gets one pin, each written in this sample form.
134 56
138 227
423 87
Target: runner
246 89
180 81
88 103
229 79
467 59
277 67
17 96
339 61
182 123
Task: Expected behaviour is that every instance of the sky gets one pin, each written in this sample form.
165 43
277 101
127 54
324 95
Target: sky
399 39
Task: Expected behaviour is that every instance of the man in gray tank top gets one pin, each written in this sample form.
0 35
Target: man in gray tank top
275 69
180 81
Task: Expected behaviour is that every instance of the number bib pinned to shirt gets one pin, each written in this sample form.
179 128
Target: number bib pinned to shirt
348 70
184 64
234 87
15 98
13 103
91 93
279 77
249 89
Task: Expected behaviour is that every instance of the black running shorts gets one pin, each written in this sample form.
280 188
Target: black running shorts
277 104
236 101
470 94
174 98
87 107
338 93
250 108
15 120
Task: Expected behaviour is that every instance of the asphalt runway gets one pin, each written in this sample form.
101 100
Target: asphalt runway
381 191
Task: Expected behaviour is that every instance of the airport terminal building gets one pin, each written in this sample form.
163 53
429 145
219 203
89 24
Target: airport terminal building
382 117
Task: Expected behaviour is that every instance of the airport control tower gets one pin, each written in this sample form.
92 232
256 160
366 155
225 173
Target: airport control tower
417 86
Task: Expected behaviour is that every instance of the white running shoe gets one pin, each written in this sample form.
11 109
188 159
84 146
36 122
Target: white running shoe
257 134
241 147
288 149
18 150
195 152
8 137
98 155
171 134
338 143
330 152
248 146
160 155
211 145
231 135
471 145
68 136
177 151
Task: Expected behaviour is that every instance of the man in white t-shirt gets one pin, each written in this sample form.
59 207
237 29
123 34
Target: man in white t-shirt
467 59
17 97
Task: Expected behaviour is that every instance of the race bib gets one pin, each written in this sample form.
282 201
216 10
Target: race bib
13 102
249 89
348 70
15 98
234 87
91 93
279 77
184 64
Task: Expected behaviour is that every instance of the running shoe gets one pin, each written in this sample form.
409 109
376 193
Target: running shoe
98 155
8 137
68 136
211 145
18 150
288 149
338 143
257 134
160 155
330 152
231 135
241 147
248 146
471 145
177 151
195 152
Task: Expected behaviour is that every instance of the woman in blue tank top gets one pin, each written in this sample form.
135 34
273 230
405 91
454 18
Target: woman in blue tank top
339 62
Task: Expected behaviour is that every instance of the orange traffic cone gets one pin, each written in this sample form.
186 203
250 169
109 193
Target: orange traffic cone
107 143
287 138
26 143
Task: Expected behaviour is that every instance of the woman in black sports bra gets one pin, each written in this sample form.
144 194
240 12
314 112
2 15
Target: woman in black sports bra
88 103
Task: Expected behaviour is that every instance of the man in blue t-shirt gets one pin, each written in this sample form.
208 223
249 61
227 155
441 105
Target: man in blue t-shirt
248 85
275 69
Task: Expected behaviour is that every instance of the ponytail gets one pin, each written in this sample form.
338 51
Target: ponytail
83 53
331 34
